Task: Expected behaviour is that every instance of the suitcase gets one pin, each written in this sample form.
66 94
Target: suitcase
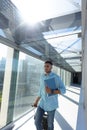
44 122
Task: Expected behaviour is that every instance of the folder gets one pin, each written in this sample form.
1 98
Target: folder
51 83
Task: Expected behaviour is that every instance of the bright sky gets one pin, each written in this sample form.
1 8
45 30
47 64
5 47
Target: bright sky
38 10
3 51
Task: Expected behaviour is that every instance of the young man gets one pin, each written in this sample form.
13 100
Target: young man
47 103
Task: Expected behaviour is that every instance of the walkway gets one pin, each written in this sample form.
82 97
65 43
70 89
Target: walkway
69 115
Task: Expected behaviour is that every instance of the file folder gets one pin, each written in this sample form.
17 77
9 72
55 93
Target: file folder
51 83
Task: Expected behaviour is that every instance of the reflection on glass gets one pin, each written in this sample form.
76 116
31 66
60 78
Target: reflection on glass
3 53
28 82
23 91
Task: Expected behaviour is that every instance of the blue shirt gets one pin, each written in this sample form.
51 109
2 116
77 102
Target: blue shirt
49 103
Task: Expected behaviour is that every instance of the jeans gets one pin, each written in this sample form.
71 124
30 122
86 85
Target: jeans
39 117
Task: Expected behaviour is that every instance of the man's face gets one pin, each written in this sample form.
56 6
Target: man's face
47 67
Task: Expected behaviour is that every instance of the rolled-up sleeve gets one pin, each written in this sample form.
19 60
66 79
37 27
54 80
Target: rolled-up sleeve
62 87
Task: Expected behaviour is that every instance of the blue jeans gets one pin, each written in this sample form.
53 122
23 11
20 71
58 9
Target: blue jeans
39 116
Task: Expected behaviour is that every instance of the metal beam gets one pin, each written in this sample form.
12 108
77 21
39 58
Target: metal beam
71 58
70 46
76 4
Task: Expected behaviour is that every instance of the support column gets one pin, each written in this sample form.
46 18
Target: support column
9 87
6 88
84 54
13 86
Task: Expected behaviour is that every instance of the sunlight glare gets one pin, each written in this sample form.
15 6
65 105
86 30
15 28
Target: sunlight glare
22 56
32 11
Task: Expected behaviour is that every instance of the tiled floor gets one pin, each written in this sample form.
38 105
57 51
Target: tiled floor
69 115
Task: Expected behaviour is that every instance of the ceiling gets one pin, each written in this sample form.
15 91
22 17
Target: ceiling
56 35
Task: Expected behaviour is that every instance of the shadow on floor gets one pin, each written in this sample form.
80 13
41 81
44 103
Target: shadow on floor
72 91
70 99
62 122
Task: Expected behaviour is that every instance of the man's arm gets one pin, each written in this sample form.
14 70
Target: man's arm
48 90
56 92
60 90
36 101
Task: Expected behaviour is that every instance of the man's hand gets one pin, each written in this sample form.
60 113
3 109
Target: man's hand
36 102
48 90
34 105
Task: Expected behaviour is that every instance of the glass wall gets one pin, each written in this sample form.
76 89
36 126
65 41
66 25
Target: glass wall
56 70
65 75
5 80
19 82
28 82
3 53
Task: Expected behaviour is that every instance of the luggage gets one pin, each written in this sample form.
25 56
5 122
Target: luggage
44 122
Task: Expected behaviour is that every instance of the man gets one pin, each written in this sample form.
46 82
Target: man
47 103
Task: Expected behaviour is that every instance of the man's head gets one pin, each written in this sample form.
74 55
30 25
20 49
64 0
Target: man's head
48 66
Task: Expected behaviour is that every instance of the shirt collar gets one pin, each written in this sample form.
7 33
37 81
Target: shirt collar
48 74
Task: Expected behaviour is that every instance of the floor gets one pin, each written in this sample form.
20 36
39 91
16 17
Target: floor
69 115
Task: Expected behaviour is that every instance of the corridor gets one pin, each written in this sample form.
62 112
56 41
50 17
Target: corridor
69 115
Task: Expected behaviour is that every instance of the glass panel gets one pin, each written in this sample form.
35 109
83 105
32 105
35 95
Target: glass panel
67 78
28 82
3 53
56 70
24 82
5 79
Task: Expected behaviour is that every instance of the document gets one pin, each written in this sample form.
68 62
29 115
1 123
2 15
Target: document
51 83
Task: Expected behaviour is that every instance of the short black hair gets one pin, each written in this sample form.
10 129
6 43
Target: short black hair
49 62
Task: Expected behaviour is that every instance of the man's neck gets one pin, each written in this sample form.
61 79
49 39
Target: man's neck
47 73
